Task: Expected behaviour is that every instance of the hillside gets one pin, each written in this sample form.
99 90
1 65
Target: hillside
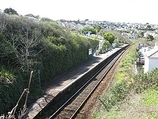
41 46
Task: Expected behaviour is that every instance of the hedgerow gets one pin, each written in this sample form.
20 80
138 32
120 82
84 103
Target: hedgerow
44 47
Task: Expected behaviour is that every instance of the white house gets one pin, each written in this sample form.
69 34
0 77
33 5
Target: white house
151 60
144 49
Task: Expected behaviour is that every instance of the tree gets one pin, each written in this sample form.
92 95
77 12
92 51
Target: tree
3 23
85 29
106 45
3 44
98 28
46 19
150 37
141 34
119 39
109 37
10 11
24 42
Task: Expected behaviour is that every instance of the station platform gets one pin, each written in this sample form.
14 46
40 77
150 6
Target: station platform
59 83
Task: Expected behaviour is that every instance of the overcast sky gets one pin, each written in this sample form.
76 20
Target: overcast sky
139 11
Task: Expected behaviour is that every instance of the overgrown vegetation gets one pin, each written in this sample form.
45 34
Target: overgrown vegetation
121 86
89 29
130 93
41 46
112 39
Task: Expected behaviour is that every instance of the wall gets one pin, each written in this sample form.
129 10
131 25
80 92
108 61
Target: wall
150 64
146 64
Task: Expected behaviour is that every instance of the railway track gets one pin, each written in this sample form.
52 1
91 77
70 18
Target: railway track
71 107
93 103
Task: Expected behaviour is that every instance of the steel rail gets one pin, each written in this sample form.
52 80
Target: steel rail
91 85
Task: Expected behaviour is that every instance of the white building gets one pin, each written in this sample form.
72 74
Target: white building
151 60
143 50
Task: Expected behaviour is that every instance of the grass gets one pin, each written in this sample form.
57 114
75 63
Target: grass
120 75
118 90
135 105
113 114
150 97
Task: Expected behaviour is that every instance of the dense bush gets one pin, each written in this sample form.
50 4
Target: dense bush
91 29
43 46
144 81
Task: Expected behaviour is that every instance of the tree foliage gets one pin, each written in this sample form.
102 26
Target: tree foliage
105 47
150 37
10 11
98 28
109 36
91 29
35 45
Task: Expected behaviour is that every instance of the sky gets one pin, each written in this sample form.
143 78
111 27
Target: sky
131 11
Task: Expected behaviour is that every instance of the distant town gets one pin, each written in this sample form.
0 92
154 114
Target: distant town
128 30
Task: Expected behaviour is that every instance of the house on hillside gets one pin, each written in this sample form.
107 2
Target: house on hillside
151 59
143 50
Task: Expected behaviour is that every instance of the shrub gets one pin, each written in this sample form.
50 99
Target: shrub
28 45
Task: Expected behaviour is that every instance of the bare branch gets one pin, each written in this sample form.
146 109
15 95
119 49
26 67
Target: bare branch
11 114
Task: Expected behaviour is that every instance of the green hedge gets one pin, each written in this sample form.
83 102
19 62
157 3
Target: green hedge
35 45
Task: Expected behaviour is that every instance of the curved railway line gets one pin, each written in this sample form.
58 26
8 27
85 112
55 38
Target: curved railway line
93 102
70 107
